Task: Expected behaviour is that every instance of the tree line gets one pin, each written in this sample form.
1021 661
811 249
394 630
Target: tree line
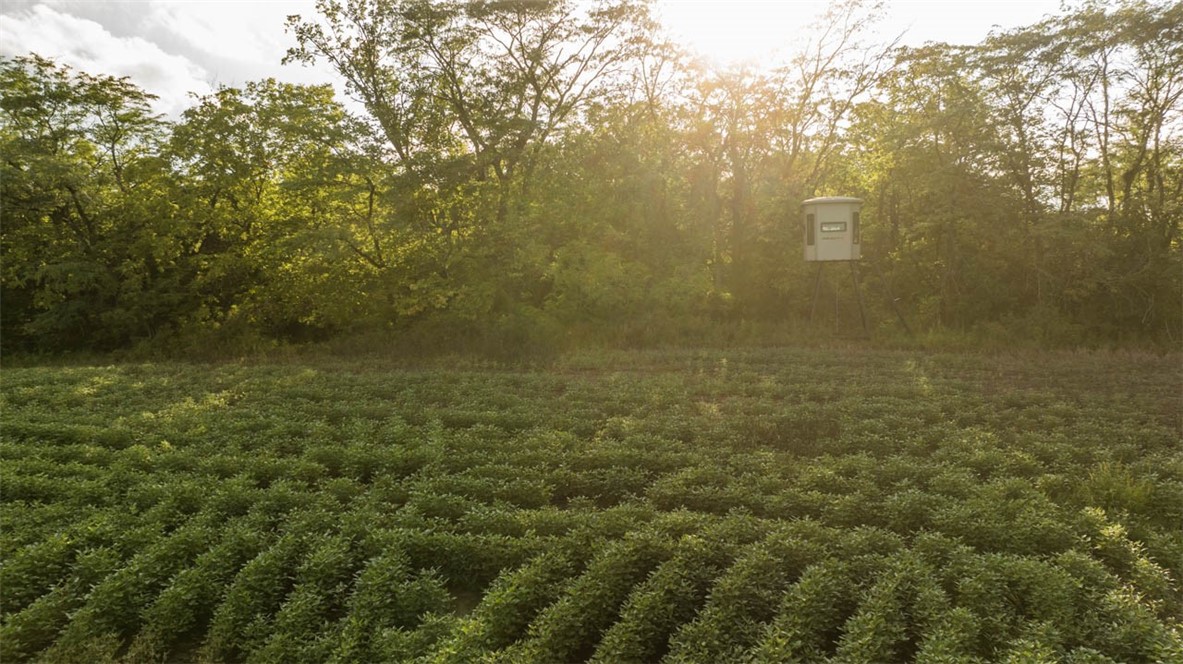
517 172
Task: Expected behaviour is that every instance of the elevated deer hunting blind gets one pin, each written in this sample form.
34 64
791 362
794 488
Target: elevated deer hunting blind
832 228
832 234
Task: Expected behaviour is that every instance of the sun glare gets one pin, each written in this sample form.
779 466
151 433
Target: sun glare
739 32
756 32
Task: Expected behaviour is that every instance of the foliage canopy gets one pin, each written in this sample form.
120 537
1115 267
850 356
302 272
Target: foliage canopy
522 170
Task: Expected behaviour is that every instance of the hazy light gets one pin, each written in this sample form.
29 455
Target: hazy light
737 31
729 32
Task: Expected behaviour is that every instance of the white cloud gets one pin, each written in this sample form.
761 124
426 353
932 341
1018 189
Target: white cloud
245 32
170 48
235 41
88 46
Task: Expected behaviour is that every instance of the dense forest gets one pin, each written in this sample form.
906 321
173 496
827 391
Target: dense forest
524 173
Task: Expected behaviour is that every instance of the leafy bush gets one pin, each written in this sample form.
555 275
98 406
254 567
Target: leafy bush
568 629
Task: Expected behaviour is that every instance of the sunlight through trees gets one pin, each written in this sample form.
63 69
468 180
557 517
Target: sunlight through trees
521 172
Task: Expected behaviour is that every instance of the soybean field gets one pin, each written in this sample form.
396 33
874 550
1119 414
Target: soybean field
752 505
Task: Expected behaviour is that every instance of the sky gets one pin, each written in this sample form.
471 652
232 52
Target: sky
176 48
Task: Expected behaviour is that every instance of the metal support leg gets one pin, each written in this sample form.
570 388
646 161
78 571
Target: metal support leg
862 314
817 287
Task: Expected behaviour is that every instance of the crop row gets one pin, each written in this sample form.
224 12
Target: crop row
703 511
679 588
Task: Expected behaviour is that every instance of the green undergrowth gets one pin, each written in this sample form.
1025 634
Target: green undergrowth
759 505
